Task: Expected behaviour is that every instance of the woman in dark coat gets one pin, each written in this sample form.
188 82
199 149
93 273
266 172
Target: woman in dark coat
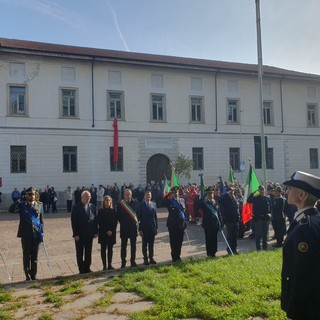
107 221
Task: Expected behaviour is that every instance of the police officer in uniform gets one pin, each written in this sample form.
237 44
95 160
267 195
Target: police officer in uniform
261 216
300 286
176 222
211 221
30 231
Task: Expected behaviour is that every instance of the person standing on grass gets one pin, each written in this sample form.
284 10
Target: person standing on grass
148 227
300 276
229 206
211 221
176 222
85 228
107 222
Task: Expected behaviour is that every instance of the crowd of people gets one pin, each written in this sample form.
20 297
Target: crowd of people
96 212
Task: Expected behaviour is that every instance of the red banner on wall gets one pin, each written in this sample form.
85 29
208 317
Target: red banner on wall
115 140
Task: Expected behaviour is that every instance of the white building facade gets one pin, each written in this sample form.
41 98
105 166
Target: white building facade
57 105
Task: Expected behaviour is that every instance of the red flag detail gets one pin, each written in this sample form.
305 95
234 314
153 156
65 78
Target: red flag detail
115 141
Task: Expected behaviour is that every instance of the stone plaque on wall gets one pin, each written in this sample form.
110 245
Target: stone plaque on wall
158 143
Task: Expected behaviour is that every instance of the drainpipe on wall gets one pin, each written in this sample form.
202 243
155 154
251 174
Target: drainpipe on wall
216 99
92 91
281 106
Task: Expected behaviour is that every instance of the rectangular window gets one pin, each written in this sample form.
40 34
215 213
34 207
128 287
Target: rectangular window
115 78
115 105
234 158
196 84
68 74
312 115
69 102
267 112
233 111
197 158
116 166
18 159
269 158
158 107
69 155
157 81
17 100
314 163
196 109
232 87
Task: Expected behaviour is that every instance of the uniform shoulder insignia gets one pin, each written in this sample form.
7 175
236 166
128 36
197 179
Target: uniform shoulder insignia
305 220
303 247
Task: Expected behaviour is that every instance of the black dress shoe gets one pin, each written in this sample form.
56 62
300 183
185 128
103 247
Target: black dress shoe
152 261
146 262
110 267
133 264
123 265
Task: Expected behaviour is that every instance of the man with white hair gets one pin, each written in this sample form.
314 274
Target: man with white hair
300 294
84 228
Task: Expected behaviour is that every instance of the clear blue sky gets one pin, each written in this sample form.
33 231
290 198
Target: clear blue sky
210 29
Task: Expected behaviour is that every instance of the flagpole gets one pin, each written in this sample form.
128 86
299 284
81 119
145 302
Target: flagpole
260 72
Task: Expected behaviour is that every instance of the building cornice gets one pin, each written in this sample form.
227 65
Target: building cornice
124 57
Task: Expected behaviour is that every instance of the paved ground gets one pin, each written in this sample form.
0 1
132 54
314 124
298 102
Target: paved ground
61 250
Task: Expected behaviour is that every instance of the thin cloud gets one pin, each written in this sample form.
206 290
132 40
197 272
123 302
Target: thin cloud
54 11
117 26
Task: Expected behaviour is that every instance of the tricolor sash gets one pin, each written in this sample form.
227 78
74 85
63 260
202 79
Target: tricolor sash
132 214
213 212
176 204
36 222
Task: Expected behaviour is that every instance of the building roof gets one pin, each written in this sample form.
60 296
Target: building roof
41 48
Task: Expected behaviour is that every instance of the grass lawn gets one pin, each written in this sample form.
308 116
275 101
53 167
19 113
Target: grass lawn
235 287
241 287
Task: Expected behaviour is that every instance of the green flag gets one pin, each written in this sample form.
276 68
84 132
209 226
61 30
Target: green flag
174 178
166 188
232 178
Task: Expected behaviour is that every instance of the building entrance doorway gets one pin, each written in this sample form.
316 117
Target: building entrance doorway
158 166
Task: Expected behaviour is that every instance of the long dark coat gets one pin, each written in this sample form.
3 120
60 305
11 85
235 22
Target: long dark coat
107 221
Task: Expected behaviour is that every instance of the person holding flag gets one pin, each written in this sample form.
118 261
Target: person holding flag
176 222
128 216
30 231
261 215
211 221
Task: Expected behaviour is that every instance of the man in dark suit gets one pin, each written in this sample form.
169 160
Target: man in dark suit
300 294
30 231
148 227
85 228
128 215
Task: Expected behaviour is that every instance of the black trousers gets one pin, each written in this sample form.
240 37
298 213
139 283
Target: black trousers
211 236
148 245
69 205
176 240
232 235
279 227
30 248
84 252
104 247
133 245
